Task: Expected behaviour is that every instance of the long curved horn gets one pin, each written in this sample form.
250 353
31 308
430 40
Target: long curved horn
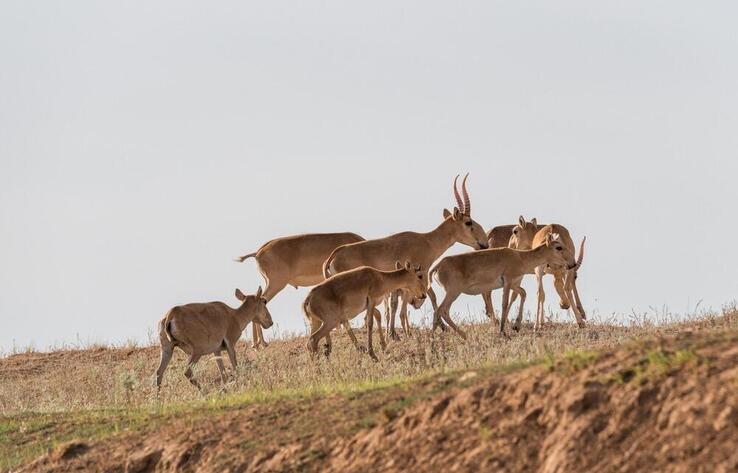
459 204
467 201
581 253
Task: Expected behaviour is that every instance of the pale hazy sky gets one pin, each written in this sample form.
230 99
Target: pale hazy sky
144 144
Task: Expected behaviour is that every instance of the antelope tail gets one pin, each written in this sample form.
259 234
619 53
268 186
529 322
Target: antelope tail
243 258
432 274
306 313
581 253
168 330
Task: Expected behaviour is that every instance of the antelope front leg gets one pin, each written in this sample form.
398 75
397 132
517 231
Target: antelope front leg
255 335
403 318
521 292
231 350
505 308
221 367
571 289
394 299
541 299
378 319
560 286
370 326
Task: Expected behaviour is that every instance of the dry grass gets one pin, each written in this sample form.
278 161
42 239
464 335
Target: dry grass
121 378
50 398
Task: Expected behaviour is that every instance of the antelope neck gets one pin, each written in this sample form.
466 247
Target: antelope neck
441 238
533 258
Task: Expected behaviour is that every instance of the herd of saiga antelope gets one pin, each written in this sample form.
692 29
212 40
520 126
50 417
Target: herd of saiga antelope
352 275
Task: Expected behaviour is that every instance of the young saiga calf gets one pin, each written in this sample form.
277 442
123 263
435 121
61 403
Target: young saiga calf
482 271
201 329
527 235
345 295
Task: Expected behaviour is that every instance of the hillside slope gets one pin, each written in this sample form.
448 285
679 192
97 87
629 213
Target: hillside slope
665 404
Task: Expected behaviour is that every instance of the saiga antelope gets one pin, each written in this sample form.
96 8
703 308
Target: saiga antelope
528 235
296 261
201 329
521 236
482 271
421 248
345 295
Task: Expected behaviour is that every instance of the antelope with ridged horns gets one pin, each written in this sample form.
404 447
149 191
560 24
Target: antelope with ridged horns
421 248
296 261
344 296
202 329
480 272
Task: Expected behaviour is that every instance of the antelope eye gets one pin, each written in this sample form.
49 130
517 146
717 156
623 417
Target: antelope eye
263 300
515 232
420 276
468 224
558 248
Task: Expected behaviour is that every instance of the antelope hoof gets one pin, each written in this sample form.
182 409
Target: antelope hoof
505 335
582 324
393 336
516 327
581 311
564 305
373 356
326 350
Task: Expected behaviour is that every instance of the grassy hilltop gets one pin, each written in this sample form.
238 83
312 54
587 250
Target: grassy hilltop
432 401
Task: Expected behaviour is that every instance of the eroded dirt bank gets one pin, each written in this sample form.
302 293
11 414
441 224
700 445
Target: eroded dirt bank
663 405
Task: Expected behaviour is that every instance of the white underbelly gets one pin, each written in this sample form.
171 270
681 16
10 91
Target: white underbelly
476 289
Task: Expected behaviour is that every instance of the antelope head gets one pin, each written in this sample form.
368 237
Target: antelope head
523 234
253 308
417 282
465 229
562 255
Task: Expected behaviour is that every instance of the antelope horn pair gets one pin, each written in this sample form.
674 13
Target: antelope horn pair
465 206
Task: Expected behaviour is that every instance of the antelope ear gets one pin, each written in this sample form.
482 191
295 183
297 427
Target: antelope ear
548 239
446 213
258 293
408 266
457 213
398 265
417 269
554 236
240 295
534 222
521 221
